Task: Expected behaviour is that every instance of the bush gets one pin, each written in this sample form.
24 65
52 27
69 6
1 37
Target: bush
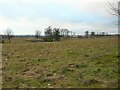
52 34
48 39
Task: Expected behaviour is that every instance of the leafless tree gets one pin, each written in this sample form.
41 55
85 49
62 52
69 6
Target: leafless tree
9 34
37 33
64 32
92 33
56 34
86 34
114 8
73 34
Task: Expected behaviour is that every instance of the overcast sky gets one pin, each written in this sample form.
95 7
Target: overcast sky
27 16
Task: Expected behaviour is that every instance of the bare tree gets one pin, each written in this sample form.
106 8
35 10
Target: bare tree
92 33
48 34
71 34
86 34
56 34
67 33
74 34
52 34
37 33
103 33
9 34
48 31
114 9
62 32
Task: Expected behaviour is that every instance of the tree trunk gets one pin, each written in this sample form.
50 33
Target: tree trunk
9 39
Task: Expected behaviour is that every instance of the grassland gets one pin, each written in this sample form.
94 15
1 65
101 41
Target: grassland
72 63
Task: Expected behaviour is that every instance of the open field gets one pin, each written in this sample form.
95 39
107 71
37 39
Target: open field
72 63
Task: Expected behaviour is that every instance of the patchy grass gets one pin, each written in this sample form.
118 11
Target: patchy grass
80 63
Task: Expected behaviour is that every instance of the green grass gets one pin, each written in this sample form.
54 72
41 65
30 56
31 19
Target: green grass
72 63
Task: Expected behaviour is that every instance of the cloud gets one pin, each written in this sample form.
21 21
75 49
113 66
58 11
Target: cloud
25 16
24 25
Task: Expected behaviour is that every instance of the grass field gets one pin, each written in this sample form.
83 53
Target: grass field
72 63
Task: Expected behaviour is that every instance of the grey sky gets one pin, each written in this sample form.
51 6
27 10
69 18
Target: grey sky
27 16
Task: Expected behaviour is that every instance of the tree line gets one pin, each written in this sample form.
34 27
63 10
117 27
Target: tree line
55 34
93 34
51 34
